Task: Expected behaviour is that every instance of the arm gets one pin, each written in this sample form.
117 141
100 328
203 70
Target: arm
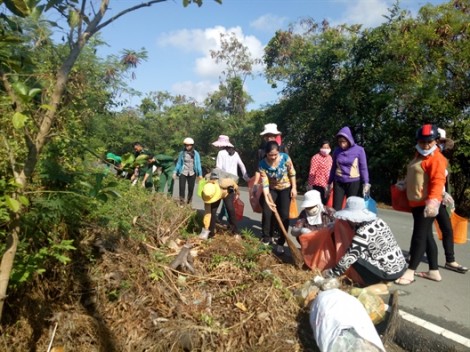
197 164
291 173
363 169
218 161
354 252
312 171
242 167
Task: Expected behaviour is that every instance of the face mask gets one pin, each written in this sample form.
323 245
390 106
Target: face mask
325 151
425 152
312 211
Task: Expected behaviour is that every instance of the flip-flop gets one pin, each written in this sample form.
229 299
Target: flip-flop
458 269
403 281
425 275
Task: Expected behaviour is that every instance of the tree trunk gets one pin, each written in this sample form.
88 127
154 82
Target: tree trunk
7 262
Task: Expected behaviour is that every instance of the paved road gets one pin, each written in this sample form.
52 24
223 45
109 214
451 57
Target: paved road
445 304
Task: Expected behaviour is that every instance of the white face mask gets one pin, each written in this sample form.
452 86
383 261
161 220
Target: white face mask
325 151
425 152
312 211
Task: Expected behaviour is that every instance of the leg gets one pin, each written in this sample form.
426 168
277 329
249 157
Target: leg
191 182
283 204
162 182
443 220
421 228
322 193
213 212
266 220
182 187
171 182
353 189
338 195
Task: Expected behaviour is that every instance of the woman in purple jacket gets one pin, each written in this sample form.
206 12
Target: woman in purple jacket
349 170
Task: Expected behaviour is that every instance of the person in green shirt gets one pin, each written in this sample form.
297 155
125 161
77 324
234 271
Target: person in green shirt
167 165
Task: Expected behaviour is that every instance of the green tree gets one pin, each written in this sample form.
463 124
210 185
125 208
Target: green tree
35 117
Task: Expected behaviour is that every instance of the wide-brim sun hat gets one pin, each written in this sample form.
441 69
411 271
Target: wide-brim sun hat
211 193
355 211
222 141
188 141
270 128
311 198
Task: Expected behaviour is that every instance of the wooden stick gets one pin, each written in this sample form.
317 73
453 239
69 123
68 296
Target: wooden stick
298 259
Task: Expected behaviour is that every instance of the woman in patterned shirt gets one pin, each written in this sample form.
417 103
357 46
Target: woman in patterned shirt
374 252
320 167
279 186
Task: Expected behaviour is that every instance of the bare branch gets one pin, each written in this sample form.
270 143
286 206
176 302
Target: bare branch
130 9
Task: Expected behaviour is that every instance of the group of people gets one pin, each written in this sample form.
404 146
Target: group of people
338 188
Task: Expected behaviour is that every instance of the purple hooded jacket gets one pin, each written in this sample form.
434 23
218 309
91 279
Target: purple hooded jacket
350 164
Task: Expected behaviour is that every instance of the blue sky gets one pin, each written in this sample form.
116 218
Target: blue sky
179 40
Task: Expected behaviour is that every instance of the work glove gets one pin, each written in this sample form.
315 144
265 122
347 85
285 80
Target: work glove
328 273
174 176
366 191
448 201
432 208
246 177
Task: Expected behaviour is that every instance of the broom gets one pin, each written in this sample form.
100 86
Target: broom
298 259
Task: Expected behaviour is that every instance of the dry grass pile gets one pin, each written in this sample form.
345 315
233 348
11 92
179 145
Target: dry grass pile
126 297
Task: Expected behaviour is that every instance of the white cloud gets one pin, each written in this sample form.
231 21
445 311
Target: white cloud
268 23
201 42
196 90
369 13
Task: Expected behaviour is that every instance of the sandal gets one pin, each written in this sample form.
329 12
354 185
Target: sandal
404 281
457 268
426 275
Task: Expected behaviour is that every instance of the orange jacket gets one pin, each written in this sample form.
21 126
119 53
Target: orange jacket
426 178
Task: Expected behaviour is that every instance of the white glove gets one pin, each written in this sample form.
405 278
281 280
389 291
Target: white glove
448 201
305 230
246 177
366 190
432 208
401 185
328 273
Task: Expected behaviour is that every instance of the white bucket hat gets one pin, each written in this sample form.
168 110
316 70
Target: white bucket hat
222 141
311 198
270 128
355 211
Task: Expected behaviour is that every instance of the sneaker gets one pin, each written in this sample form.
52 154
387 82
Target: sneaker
279 249
266 241
204 235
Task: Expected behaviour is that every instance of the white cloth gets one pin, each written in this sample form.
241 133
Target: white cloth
230 163
335 310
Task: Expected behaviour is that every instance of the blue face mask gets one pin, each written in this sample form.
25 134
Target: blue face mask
425 152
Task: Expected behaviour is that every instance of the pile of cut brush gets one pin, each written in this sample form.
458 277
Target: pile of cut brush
138 294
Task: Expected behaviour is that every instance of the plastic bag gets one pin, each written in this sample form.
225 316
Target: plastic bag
399 199
371 205
334 311
239 208
255 195
293 210
459 228
200 186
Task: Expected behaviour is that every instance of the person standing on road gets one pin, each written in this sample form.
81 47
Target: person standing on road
349 170
320 167
425 180
443 218
279 186
188 167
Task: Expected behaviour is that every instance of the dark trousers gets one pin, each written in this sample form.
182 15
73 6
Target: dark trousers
228 203
341 189
443 219
191 180
321 189
282 200
422 240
